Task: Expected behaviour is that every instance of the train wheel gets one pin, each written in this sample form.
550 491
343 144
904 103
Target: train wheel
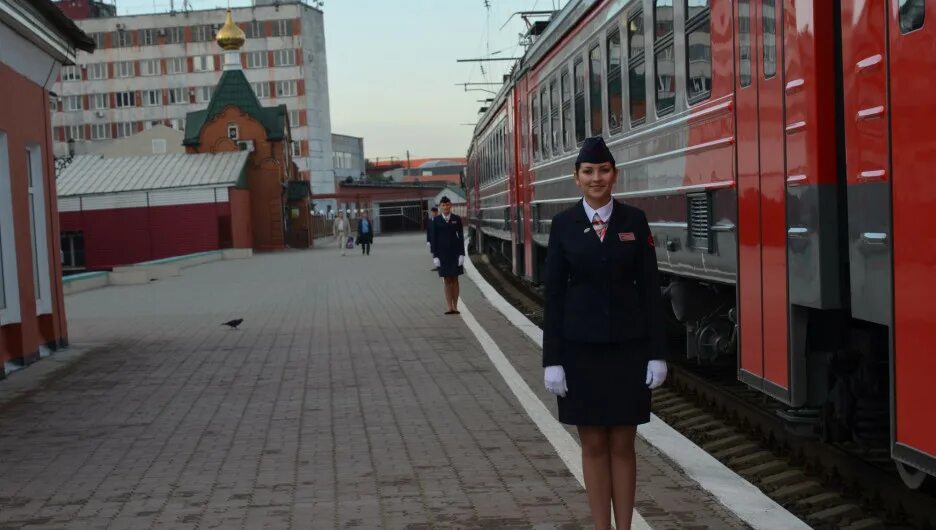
912 477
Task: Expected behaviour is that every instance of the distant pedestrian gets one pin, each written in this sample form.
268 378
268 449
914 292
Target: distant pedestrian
341 228
433 213
365 231
448 251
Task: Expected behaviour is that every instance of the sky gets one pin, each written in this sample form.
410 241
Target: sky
392 68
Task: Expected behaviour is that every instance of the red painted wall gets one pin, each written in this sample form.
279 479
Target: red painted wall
132 235
25 123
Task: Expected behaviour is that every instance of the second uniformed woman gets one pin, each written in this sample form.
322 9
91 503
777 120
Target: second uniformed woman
603 346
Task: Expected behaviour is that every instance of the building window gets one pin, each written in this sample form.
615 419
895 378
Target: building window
71 73
98 40
578 74
73 250
698 51
534 127
37 225
174 35
912 14
205 33
150 67
203 94
98 101
594 89
53 103
97 71
636 69
177 96
294 120
7 260
770 38
121 39
285 88
232 131
100 131
74 132
158 144
284 57
256 59
615 89
152 98
124 68
147 37
282 28
203 63
124 129
296 148
262 89
125 99
177 124
175 65
253 29
73 103
744 42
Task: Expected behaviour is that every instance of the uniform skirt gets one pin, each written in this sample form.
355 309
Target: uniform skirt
607 384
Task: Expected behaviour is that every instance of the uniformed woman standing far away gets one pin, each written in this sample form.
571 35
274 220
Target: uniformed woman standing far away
603 346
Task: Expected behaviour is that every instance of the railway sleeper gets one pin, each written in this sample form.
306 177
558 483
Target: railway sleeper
819 501
764 469
723 443
794 492
870 523
735 450
836 515
755 458
785 478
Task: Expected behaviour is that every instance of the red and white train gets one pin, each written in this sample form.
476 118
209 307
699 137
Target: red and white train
780 149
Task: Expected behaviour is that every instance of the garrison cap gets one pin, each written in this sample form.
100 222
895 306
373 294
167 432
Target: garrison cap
444 199
594 151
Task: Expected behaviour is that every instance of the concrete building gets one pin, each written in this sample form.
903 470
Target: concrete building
157 68
35 40
348 157
159 140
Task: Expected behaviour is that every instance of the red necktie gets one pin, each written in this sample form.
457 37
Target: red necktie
599 226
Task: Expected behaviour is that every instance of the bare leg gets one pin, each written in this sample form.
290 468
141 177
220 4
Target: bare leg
455 293
448 293
596 468
623 473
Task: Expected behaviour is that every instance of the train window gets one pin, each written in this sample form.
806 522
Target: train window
662 18
698 51
664 57
544 123
615 102
744 42
636 74
566 111
770 38
594 89
578 72
554 116
912 13
534 127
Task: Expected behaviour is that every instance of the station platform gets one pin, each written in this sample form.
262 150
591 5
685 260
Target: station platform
346 399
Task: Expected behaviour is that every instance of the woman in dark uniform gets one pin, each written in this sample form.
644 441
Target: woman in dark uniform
603 335
448 252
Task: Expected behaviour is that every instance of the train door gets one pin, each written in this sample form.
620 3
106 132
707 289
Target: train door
762 230
911 34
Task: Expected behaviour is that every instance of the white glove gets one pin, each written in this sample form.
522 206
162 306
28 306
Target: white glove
656 373
428 244
436 262
461 260
554 378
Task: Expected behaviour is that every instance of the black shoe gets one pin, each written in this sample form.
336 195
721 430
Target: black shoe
434 269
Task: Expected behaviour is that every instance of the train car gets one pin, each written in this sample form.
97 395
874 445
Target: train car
777 147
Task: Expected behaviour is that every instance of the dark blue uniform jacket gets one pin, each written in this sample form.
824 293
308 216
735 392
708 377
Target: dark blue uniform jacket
601 291
446 241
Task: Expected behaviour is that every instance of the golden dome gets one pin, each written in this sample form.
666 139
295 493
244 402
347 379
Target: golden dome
230 36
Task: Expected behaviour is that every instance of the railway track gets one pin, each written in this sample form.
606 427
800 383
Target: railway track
826 485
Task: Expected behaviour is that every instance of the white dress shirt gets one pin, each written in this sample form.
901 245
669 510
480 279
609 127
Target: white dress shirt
604 212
